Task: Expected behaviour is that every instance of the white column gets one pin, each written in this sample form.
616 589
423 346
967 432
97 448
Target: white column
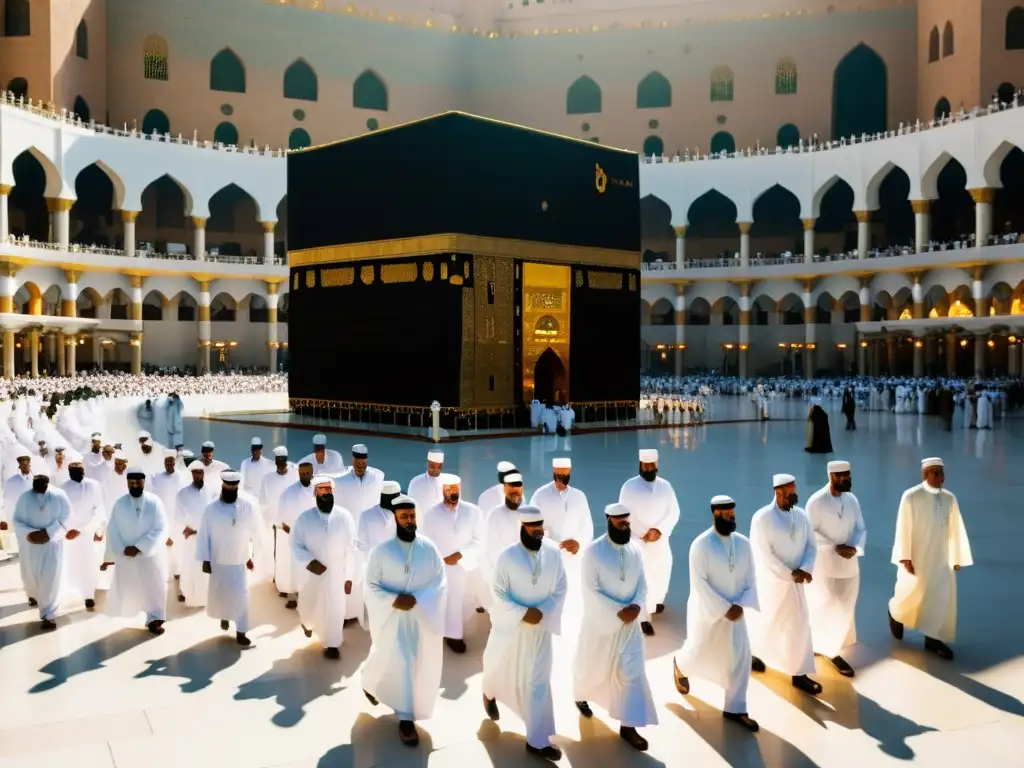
60 214
810 332
862 368
128 220
918 356
744 339
980 345
808 240
922 224
204 327
983 197
680 322
5 222
680 247
863 233
199 238
69 355
97 351
978 294
268 242
744 244
273 299
51 353
33 348
8 337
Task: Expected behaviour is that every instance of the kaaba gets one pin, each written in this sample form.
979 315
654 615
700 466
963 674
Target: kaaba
467 261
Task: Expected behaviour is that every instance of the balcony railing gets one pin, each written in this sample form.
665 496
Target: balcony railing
99 250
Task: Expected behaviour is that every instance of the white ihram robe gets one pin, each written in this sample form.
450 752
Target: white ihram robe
652 505
403 670
716 649
519 657
929 532
189 505
358 494
329 539
609 667
295 500
229 536
501 530
42 564
491 498
253 472
140 582
84 555
334 463
832 595
166 486
426 491
376 525
460 530
780 630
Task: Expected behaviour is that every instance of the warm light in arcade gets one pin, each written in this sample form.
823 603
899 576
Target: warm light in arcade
963 342
664 356
991 342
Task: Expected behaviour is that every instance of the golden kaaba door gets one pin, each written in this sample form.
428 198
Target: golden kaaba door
546 332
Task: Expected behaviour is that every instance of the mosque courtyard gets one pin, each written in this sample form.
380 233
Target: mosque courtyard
102 692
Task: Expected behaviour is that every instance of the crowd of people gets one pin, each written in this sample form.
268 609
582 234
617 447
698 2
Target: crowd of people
344 545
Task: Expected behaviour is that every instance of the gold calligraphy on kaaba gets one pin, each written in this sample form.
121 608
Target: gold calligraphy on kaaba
428 271
366 275
606 281
398 273
337 278
311 278
295 282
600 179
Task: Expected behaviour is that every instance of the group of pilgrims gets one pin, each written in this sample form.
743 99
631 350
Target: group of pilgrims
345 545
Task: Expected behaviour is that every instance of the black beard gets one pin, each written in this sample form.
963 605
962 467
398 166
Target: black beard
649 476
229 495
620 536
563 479
723 526
199 484
843 487
406 533
305 483
513 505
529 541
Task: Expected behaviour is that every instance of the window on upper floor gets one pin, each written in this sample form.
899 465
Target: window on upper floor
722 142
227 73
154 58
942 108
18 87
583 97
82 40
654 91
300 82
156 120
785 77
81 109
947 39
298 139
788 136
226 133
17 18
1015 29
1005 92
933 45
654 147
721 84
369 92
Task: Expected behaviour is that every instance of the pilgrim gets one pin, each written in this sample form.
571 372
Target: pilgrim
494 495
567 520
94 459
83 552
323 548
213 466
377 524
296 499
425 489
40 519
654 513
274 483
456 528
501 527
255 468
840 534
230 538
609 668
529 592
359 489
189 505
324 460
13 487
722 586
931 545
404 588
136 537
784 552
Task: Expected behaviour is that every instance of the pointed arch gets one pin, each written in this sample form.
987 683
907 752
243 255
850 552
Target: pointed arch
226 133
223 308
721 84
370 92
154 58
300 81
82 40
18 87
156 121
81 109
859 94
947 39
187 305
654 146
722 142
788 136
153 305
227 73
1015 29
785 77
654 92
942 109
583 97
299 139
933 45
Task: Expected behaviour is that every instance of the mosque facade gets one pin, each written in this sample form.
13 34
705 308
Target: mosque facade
142 166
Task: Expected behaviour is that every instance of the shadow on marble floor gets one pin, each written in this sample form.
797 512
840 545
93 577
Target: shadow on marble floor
198 664
374 742
89 657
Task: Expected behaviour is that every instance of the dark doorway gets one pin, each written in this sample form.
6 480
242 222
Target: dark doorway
550 383
859 94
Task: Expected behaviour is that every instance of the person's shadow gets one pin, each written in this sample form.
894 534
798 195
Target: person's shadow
89 657
601 747
458 668
197 665
374 741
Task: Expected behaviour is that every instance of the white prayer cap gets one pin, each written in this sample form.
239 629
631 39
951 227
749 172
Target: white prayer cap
60 447
648 456
403 501
256 441
281 451
169 453
513 478
449 479
120 457
616 510
96 435
197 466
838 466
230 476
319 439
323 480
144 434
528 514
389 487
564 463
136 472
782 479
208 445
435 456
360 451
721 500
934 461
506 466
186 453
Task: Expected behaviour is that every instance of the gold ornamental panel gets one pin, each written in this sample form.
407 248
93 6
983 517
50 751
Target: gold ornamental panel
605 281
337 277
428 271
311 278
366 275
545 325
399 273
493 333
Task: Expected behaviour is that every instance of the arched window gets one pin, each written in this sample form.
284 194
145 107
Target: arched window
942 108
933 45
298 139
947 39
156 120
226 133
1005 92
654 91
82 109
583 97
369 92
721 84
82 40
788 136
154 58
19 87
785 77
654 147
300 82
1015 29
17 18
722 142
227 73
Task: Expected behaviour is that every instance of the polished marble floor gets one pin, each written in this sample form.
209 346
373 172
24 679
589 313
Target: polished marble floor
100 692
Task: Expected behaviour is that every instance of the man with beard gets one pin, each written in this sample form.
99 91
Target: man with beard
377 524
324 460
426 488
566 511
295 500
501 529
83 551
405 591
609 667
722 586
255 468
323 545
213 466
655 512
494 495
94 459
784 554
41 523
359 489
840 534
189 505
456 528
230 538
529 592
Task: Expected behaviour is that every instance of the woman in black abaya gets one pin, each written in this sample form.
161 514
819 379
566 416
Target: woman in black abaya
819 438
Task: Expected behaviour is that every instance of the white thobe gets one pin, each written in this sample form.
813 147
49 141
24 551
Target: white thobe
253 473
491 498
518 658
780 630
271 488
357 494
229 536
295 500
13 487
329 539
501 530
376 525
566 514
403 670
426 491
652 505
93 462
716 649
609 667
189 505
832 595
140 582
166 485
984 412
42 564
114 486
930 533
213 469
458 530
333 463
84 555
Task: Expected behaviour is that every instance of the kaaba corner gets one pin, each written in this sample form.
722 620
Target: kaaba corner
467 261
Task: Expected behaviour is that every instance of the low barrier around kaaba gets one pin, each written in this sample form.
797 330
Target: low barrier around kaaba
464 261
